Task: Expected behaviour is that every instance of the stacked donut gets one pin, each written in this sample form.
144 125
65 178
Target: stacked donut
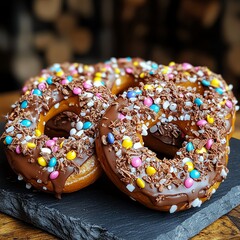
161 132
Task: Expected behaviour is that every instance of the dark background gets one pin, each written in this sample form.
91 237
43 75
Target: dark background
37 33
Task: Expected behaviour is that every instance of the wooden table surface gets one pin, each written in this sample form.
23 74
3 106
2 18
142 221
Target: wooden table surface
226 227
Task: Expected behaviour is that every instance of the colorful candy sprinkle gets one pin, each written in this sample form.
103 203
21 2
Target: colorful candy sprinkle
190 166
50 143
86 125
194 173
127 143
136 162
8 140
188 182
87 85
189 147
219 90
37 92
201 123
150 171
202 150
148 101
38 133
209 143
71 155
210 119
42 162
215 83
52 162
18 149
110 138
31 145
69 78
26 123
140 183
41 86
229 104
49 80
155 108
205 83
24 104
131 94
53 175
198 101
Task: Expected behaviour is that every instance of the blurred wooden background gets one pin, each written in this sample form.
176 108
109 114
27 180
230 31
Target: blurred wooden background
37 33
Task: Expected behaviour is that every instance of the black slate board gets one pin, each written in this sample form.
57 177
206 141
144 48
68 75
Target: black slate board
101 211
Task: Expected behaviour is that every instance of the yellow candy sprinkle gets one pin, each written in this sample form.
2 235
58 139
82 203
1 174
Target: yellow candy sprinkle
127 143
135 63
42 162
41 79
202 150
215 83
71 155
59 74
210 119
98 74
190 166
86 67
38 133
171 63
27 92
150 170
165 70
117 70
187 73
223 102
31 145
208 71
61 144
97 79
148 87
140 183
142 75
103 69
228 116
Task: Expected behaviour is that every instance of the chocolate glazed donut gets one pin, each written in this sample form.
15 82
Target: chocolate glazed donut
169 171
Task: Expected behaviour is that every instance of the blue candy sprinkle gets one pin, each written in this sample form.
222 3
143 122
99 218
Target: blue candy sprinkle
52 162
189 147
110 138
26 123
138 92
86 125
8 140
128 59
154 66
198 101
37 92
219 90
69 78
131 94
49 80
151 72
155 108
194 173
205 83
24 104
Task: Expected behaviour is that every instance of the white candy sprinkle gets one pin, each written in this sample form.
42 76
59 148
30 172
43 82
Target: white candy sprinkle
128 117
73 131
20 177
44 188
188 104
162 181
90 103
187 117
200 73
28 185
186 159
144 132
9 129
223 141
79 125
213 190
50 169
169 187
27 138
118 82
237 108
166 104
157 100
170 118
137 145
119 153
200 159
173 107
130 187
173 209
83 114
105 106
153 129
46 150
79 133
91 140
56 105
39 181
223 173
196 203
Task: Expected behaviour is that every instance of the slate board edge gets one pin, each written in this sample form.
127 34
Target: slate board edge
75 228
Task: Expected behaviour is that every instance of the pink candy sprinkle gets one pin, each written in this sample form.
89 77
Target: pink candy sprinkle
87 85
209 144
55 148
73 72
55 139
64 82
186 66
24 89
170 76
54 175
77 90
201 123
136 162
41 86
229 104
50 143
129 70
99 95
18 150
148 101
188 182
121 116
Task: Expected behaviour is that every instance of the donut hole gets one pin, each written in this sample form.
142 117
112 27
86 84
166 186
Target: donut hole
60 124
165 141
